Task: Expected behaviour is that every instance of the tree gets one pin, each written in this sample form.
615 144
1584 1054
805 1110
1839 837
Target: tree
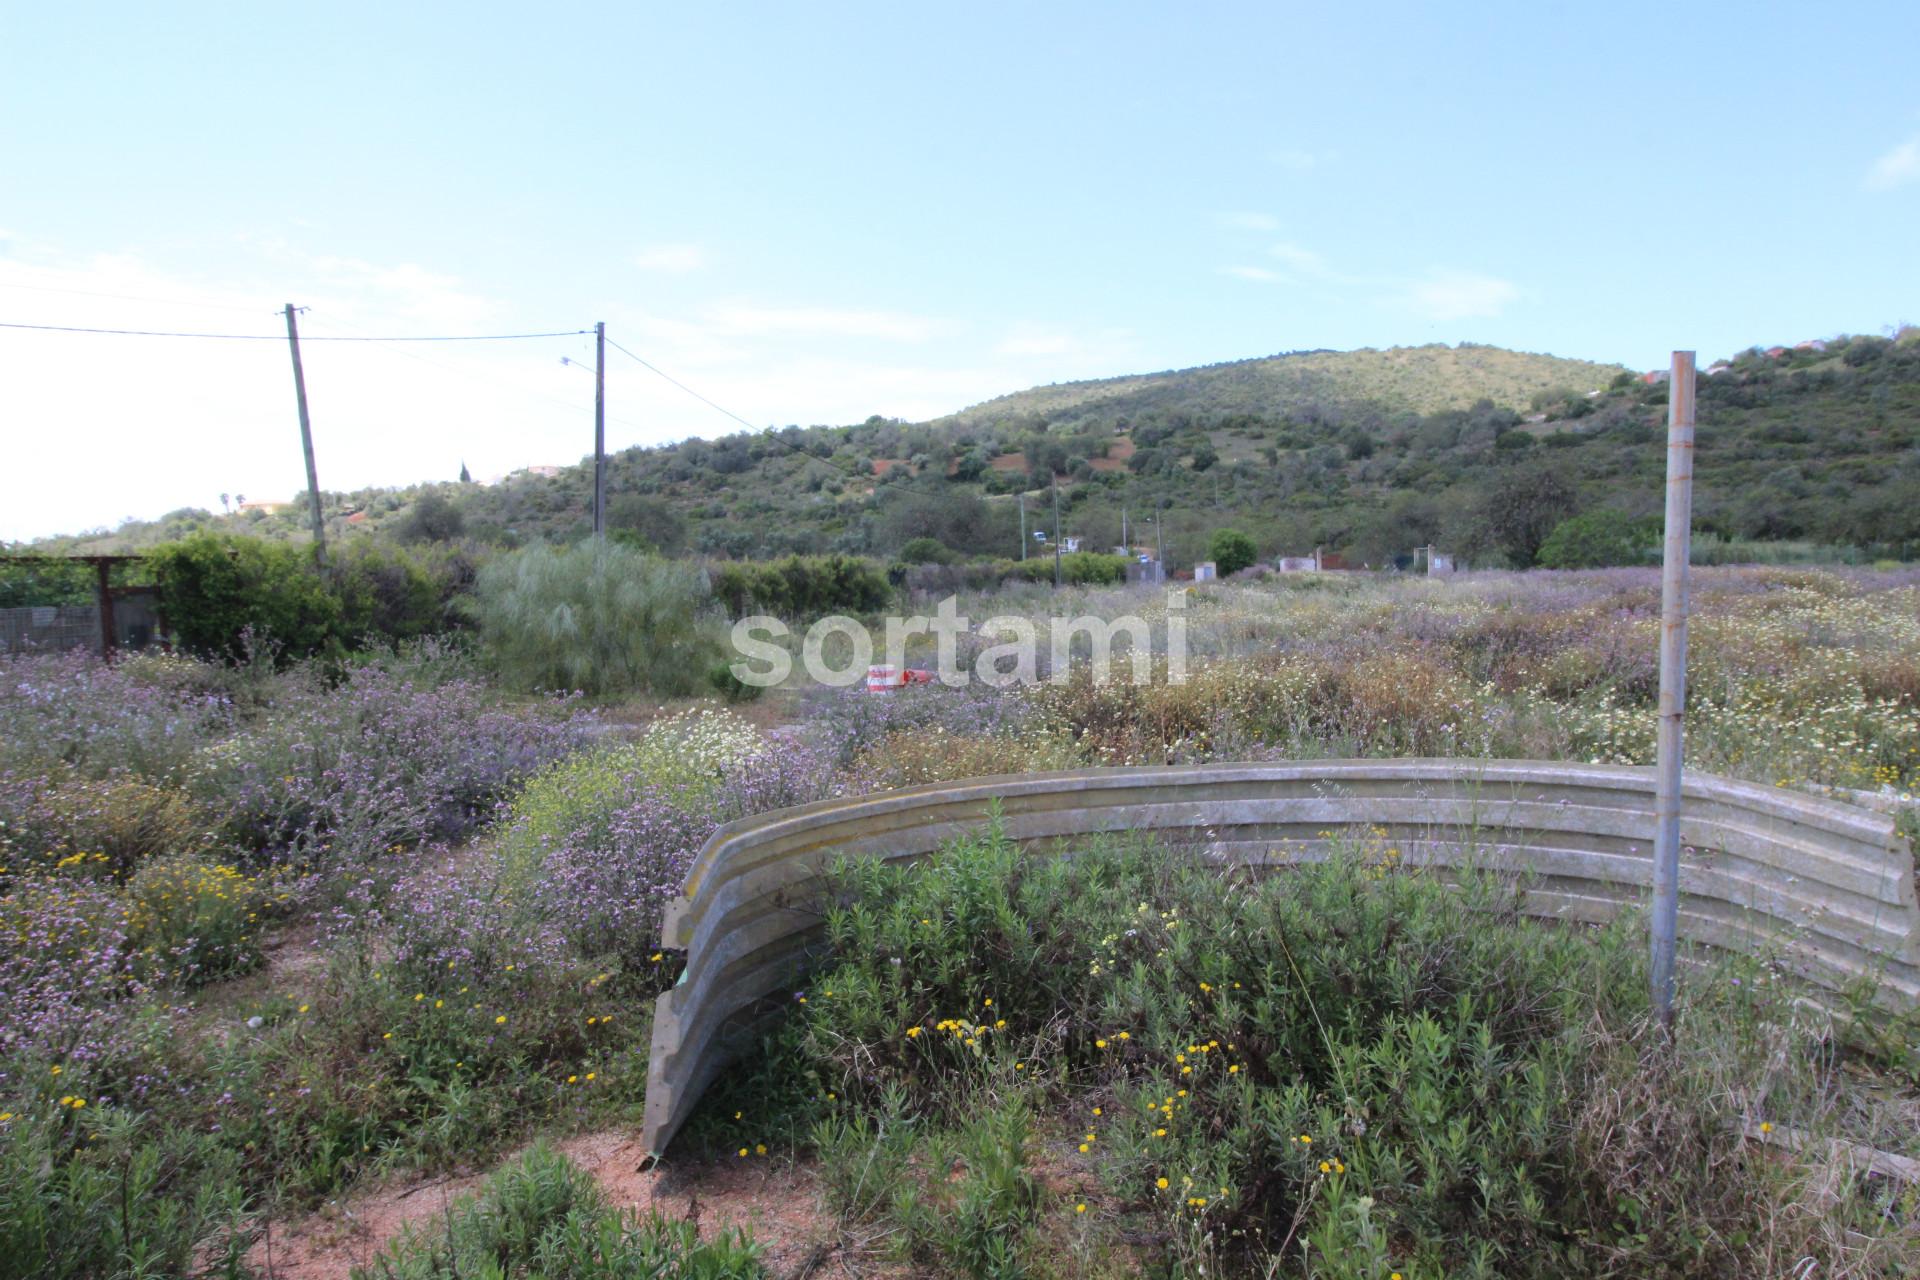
1522 508
1596 540
432 518
1231 551
647 522
466 477
925 551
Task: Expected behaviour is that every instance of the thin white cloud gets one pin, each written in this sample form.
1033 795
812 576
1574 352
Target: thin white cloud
1301 259
1246 221
1440 294
1896 168
1460 295
674 259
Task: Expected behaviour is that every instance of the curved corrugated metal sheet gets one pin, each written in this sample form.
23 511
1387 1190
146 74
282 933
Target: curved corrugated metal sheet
1825 885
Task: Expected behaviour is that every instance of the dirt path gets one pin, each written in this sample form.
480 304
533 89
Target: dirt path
776 1202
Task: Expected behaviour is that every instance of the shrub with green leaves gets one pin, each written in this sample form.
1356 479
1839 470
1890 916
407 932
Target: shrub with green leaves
1231 551
802 587
217 588
542 1218
600 619
142 1199
1347 1066
1598 540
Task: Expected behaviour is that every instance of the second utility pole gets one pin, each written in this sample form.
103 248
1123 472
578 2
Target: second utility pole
600 431
306 440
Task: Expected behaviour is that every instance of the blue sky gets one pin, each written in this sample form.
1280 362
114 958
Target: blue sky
813 213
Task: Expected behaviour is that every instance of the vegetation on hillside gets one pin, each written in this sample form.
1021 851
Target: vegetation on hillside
1373 454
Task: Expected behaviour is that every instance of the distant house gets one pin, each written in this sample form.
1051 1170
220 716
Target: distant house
543 471
1811 344
356 517
1295 564
1716 369
1069 544
265 506
1653 377
1774 353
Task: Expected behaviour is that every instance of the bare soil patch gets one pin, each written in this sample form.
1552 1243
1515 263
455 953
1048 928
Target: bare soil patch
776 1202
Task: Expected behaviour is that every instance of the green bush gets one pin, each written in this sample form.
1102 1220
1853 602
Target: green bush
1078 568
138 1200
925 551
802 587
598 619
400 593
543 1218
1393 1072
214 588
1597 540
1231 551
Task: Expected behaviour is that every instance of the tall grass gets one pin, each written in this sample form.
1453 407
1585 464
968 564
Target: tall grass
600 619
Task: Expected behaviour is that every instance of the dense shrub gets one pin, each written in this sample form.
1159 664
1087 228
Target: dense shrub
399 593
1077 568
801 587
600 619
145 1199
216 587
1598 540
1231 551
925 551
1350 1067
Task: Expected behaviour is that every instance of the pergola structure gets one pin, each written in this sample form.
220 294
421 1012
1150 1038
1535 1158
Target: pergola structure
104 590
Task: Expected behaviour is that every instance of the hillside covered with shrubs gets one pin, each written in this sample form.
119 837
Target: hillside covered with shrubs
1814 452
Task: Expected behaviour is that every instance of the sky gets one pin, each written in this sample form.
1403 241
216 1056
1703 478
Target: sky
809 214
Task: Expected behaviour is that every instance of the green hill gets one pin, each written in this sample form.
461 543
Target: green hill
1421 379
1478 450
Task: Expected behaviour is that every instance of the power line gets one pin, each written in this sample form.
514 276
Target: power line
764 434
683 386
281 337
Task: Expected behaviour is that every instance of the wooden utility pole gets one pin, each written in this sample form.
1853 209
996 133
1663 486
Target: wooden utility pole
1673 681
600 430
306 439
1023 525
1056 534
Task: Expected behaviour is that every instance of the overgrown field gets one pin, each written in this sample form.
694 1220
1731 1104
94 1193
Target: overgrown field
268 935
